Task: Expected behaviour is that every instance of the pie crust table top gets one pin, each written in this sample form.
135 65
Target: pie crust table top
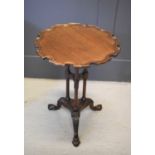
76 44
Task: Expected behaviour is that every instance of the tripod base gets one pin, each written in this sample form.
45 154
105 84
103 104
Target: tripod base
75 105
75 113
70 104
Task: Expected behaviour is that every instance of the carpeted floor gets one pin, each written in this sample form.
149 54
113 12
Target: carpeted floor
105 132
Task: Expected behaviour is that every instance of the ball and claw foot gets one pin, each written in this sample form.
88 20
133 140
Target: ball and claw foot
76 141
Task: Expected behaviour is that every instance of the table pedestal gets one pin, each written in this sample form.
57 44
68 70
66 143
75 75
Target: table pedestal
75 105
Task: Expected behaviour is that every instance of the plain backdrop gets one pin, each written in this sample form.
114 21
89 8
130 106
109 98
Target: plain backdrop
112 15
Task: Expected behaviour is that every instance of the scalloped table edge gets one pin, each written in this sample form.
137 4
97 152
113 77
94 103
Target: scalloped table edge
52 60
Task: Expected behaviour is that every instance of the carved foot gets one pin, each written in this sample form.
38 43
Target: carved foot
76 141
96 108
92 107
75 118
58 106
53 107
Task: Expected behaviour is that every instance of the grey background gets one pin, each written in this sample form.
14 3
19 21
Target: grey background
113 15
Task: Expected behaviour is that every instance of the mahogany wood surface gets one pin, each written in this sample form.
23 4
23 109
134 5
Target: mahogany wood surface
76 44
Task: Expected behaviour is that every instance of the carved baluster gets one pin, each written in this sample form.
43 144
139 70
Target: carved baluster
67 82
76 111
76 86
85 77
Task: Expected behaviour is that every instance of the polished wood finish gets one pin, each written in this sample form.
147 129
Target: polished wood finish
76 104
76 44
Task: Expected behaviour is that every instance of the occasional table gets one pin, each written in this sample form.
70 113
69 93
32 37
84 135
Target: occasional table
79 46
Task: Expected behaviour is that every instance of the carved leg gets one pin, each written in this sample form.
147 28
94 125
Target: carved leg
87 100
62 100
55 107
75 118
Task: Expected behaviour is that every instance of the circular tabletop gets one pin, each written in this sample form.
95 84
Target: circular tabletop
76 44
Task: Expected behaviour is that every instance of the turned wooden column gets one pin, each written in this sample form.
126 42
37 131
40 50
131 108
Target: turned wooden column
76 87
67 82
85 77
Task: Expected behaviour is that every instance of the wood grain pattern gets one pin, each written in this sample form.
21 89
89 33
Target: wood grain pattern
76 44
